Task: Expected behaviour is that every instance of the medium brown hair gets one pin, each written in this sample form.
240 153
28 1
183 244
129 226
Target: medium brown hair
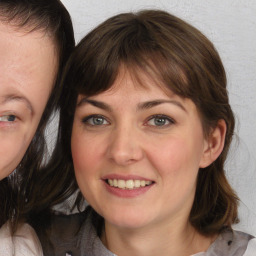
178 57
52 18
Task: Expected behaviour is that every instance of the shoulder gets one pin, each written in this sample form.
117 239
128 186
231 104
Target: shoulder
26 241
251 248
6 245
245 241
61 234
232 243
23 243
241 238
72 234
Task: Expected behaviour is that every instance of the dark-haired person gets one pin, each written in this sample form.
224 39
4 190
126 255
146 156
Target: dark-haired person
145 126
36 38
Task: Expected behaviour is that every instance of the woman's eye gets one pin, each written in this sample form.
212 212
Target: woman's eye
160 121
95 120
8 118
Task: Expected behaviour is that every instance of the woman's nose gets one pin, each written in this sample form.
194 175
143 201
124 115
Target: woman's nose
124 147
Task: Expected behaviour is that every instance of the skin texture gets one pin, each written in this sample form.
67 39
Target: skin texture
128 144
28 67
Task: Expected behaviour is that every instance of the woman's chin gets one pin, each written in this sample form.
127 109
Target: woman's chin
127 221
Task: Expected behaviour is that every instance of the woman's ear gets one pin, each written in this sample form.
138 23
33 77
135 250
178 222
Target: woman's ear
214 144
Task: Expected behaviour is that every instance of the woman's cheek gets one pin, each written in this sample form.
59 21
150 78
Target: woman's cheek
12 150
82 153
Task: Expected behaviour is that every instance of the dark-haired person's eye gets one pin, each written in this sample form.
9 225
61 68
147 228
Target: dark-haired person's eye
95 120
160 121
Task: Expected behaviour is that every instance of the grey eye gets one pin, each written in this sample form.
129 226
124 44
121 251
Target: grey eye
159 121
95 120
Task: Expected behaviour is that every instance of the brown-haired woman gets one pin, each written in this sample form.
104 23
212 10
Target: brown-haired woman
36 38
145 125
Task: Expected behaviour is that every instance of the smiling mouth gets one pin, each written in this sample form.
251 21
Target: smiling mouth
128 184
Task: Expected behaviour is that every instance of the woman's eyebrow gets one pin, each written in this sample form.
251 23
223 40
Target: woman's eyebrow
141 106
95 103
153 103
17 98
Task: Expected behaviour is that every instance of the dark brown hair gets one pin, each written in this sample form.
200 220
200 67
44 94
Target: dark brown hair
51 17
181 59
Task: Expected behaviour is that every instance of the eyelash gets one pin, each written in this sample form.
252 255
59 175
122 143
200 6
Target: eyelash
163 118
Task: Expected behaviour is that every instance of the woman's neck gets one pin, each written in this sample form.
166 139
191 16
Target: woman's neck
168 240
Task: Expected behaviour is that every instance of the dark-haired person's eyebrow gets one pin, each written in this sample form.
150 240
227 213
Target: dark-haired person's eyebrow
17 98
95 103
154 103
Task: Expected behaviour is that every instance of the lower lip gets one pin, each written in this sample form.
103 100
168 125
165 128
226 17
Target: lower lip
127 193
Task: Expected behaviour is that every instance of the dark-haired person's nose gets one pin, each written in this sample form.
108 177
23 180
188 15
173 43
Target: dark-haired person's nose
124 146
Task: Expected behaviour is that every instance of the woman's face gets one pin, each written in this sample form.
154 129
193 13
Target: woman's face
136 153
28 64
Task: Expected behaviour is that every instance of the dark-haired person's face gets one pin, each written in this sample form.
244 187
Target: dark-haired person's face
28 65
137 152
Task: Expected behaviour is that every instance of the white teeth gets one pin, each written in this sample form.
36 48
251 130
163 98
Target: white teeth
128 184
137 183
121 184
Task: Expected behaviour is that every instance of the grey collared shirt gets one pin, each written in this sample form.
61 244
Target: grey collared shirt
75 235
